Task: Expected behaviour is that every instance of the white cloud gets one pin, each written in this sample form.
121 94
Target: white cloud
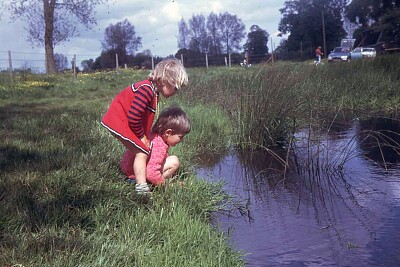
171 11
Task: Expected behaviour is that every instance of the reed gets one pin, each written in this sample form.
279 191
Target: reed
267 103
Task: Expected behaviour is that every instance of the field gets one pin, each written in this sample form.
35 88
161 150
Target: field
64 201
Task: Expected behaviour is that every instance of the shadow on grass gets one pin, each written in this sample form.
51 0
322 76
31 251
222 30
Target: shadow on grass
13 158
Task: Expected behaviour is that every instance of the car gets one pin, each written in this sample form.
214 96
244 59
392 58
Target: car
340 54
363 52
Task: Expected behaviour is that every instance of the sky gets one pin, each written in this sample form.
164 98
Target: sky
155 21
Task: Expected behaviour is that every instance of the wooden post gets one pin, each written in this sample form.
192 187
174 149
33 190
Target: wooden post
10 68
152 62
230 60
116 62
74 65
323 31
272 52
207 60
226 62
182 59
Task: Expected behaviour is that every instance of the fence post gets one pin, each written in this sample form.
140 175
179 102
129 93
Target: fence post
182 58
10 69
152 62
230 65
207 60
272 53
74 65
116 62
226 62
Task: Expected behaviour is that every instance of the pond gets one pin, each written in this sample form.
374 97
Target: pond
337 202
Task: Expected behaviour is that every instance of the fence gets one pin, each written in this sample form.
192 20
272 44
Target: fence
34 62
12 61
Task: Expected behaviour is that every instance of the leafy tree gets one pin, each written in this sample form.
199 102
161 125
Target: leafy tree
214 35
51 22
121 38
232 31
256 45
303 21
201 36
61 62
381 17
87 65
184 34
199 41
105 61
367 12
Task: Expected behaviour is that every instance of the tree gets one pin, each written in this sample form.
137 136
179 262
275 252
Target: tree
256 44
105 61
381 17
367 12
232 31
303 21
87 65
199 41
214 34
61 62
201 36
51 22
184 35
121 38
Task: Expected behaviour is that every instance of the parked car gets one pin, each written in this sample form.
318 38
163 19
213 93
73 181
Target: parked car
363 52
339 54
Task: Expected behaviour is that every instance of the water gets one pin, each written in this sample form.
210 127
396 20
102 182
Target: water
339 205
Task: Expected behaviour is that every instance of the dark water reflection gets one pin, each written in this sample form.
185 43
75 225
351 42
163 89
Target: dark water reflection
336 204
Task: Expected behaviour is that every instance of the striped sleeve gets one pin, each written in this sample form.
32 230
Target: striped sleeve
141 100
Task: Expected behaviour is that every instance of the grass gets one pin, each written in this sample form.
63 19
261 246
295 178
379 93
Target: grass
63 201
268 102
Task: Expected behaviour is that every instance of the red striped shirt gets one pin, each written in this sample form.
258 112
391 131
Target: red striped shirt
143 97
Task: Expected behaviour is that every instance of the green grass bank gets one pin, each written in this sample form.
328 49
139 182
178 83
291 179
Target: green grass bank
63 200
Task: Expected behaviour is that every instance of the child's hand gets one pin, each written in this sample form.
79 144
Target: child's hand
145 141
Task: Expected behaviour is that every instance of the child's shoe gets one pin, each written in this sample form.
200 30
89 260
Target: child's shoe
142 189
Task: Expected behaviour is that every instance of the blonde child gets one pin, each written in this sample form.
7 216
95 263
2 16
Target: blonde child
131 113
169 130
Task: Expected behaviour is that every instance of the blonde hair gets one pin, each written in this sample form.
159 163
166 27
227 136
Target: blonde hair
173 118
170 72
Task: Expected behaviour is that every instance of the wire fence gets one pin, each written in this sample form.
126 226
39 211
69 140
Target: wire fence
34 62
15 61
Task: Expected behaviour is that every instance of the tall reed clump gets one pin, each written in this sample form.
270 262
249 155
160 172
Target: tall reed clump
259 100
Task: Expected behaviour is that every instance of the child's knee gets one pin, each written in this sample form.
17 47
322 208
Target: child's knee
174 162
171 163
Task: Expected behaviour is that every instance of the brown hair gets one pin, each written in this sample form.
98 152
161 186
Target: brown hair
172 118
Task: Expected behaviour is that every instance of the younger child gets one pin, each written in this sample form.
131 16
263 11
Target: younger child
131 113
170 128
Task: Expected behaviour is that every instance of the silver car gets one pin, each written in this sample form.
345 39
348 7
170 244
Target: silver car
339 54
363 52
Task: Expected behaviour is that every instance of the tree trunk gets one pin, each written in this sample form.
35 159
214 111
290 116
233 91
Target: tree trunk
48 9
